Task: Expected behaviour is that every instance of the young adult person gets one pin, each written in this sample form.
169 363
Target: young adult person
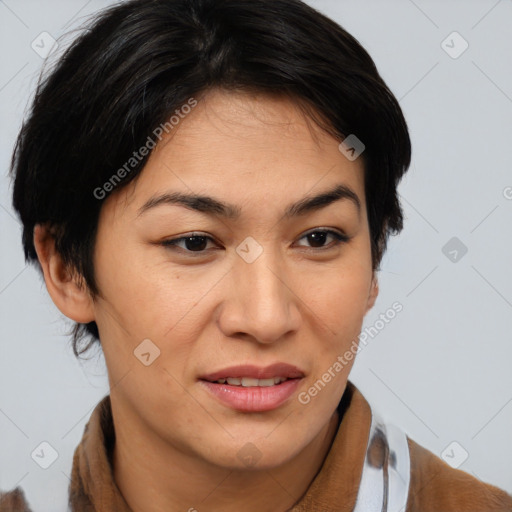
208 187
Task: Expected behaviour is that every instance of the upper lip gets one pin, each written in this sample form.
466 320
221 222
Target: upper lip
274 370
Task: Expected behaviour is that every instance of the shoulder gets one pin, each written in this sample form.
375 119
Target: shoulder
14 501
435 487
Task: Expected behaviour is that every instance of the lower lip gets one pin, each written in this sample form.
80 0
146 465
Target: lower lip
253 399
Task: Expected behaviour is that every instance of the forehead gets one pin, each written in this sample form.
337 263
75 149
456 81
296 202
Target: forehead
251 150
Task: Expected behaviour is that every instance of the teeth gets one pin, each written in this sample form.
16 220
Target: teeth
248 382
265 382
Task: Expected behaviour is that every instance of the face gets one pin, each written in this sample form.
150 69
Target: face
241 279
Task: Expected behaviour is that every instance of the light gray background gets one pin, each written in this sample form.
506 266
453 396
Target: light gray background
441 368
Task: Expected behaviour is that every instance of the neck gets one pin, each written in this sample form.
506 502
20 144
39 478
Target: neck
154 476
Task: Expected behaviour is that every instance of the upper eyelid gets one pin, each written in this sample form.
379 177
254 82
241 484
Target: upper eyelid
326 229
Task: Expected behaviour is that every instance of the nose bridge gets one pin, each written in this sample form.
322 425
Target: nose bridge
262 303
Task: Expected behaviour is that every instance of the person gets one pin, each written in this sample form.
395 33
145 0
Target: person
208 187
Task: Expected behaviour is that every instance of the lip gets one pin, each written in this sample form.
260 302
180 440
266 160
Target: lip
274 370
252 399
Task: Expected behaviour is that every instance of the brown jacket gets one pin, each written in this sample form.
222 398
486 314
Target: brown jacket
434 485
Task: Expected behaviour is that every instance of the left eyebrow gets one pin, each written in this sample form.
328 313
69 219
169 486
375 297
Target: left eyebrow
322 200
215 207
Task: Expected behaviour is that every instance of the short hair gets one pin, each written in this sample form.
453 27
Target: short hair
140 61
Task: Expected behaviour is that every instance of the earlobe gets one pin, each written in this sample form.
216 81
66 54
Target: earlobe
374 292
67 290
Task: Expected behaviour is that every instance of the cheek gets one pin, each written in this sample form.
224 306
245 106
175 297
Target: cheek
337 300
144 298
339 293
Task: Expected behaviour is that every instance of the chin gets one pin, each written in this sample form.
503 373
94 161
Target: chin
256 455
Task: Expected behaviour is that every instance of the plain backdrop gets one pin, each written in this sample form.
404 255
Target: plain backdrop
441 368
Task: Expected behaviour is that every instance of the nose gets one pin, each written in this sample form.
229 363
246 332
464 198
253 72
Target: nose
261 302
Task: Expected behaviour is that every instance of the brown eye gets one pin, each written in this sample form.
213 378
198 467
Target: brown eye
318 238
191 243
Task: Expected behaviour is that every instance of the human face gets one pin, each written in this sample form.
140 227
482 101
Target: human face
208 305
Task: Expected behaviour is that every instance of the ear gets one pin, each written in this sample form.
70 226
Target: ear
374 292
67 290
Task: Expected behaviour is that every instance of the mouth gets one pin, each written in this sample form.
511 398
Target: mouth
252 389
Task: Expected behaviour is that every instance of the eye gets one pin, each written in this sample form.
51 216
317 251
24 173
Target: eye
318 237
193 243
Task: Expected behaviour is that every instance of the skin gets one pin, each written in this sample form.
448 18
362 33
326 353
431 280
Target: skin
300 303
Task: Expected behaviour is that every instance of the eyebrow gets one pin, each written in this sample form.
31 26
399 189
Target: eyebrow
215 207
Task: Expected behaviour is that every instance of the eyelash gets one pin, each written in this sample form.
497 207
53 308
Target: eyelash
173 243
